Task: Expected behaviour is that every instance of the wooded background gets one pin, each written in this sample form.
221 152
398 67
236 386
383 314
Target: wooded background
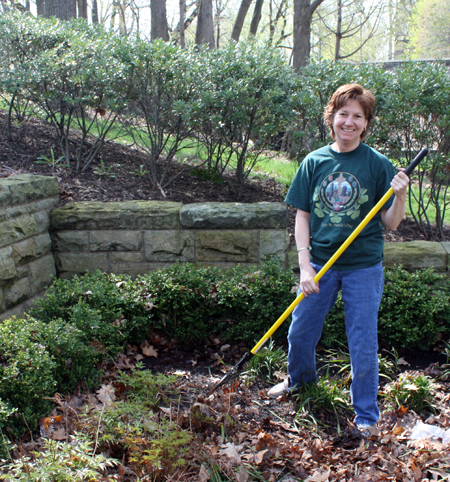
352 30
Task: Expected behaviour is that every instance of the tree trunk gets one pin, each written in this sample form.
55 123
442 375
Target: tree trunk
40 8
205 24
62 9
256 17
82 9
94 11
337 50
159 20
182 16
303 13
239 22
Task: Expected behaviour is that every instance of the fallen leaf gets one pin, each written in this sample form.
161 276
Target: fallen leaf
59 434
148 350
203 475
106 394
319 476
259 457
398 430
230 451
242 475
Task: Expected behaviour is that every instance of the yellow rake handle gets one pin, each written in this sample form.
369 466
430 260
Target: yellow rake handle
336 255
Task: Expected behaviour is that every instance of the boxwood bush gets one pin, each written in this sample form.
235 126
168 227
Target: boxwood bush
414 311
106 309
191 303
26 376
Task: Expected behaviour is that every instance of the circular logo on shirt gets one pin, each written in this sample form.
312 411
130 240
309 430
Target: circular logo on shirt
339 195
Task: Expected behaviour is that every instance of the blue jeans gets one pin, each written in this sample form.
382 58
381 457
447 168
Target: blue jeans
361 293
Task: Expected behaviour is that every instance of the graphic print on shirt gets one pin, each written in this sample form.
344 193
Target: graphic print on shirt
338 196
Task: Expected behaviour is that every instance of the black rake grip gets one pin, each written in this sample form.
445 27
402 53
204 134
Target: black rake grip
416 161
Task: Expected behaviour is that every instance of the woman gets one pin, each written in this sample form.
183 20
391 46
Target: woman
334 189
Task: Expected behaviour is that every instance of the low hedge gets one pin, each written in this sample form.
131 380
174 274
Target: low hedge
84 320
414 312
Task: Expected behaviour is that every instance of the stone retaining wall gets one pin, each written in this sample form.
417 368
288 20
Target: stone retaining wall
26 259
134 237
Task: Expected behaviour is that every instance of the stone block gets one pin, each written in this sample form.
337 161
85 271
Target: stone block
22 272
446 246
41 271
72 241
292 259
17 229
42 221
47 204
42 244
20 309
227 246
125 257
136 269
16 292
7 265
2 301
20 210
23 251
115 240
273 243
117 215
416 255
262 215
81 262
168 246
28 187
5 194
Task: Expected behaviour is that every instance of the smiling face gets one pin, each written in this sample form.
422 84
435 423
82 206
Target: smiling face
348 124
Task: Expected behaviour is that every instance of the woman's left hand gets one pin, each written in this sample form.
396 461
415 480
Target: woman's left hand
400 183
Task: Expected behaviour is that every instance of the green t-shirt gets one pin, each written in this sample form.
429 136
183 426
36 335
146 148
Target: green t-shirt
339 190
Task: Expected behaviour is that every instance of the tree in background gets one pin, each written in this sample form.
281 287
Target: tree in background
398 27
303 13
350 26
159 20
240 18
205 25
431 29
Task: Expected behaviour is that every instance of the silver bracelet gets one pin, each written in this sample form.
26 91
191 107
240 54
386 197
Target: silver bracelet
301 249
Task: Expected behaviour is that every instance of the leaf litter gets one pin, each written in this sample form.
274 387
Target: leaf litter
259 438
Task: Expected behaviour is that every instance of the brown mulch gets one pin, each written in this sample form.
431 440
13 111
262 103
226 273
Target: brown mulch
261 432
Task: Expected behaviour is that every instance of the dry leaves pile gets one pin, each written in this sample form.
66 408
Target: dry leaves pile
243 435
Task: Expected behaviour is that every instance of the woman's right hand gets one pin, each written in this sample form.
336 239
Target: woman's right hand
307 283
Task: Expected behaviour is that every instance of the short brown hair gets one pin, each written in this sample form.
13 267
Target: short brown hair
342 96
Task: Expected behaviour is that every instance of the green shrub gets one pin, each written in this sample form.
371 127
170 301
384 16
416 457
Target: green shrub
417 392
59 461
184 298
133 427
414 311
75 359
105 308
192 303
26 376
252 299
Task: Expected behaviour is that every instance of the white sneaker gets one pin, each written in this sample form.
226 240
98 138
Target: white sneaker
281 388
366 429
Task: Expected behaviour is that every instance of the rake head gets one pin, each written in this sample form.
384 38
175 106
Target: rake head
233 373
